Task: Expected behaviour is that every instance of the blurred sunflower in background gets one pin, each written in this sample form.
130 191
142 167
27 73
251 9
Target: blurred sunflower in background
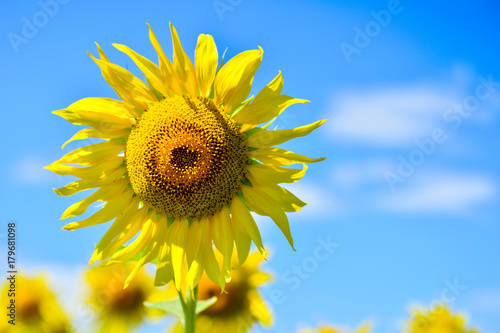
325 328
183 161
121 309
36 308
437 319
237 308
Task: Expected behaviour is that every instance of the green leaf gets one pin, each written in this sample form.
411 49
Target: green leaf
203 305
173 307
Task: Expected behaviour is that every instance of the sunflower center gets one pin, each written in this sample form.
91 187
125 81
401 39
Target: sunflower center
185 157
127 299
227 304
29 310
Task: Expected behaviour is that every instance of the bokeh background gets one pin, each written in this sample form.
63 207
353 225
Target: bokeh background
408 198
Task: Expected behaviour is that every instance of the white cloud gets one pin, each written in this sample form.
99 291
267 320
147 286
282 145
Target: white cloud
388 116
320 202
352 175
487 300
442 193
29 170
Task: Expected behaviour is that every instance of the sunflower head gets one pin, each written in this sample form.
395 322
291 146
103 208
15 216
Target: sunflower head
117 307
183 161
186 157
437 319
37 309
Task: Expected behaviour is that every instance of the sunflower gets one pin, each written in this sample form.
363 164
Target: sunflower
438 319
324 328
120 309
183 161
36 308
237 308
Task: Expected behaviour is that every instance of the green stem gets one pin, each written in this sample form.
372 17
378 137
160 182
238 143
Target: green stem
190 310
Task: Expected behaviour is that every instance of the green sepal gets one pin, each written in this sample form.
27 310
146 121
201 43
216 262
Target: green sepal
121 139
240 107
253 161
247 183
159 96
221 61
252 131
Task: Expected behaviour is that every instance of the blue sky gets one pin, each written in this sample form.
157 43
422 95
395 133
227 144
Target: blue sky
410 190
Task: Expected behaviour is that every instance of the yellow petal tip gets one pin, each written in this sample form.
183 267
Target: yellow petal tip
70 226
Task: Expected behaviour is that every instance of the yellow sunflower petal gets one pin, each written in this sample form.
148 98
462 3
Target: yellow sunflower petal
100 121
102 55
259 278
151 250
103 194
153 247
105 106
197 267
206 59
88 172
287 200
150 70
266 139
281 157
234 80
81 185
270 174
212 266
124 226
267 105
164 271
194 240
126 85
259 309
223 239
76 186
139 243
88 133
242 241
105 214
243 218
130 230
183 65
177 249
195 273
264 205
263 110
166 67
91 154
